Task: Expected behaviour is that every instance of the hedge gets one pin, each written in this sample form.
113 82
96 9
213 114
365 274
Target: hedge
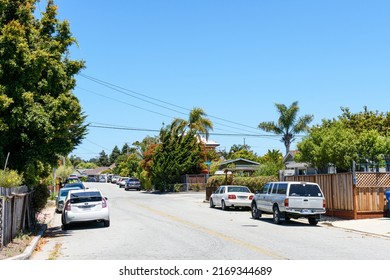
254 183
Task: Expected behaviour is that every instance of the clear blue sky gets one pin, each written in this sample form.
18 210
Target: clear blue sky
234 59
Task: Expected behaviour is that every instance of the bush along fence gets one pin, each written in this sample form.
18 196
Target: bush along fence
16 214
347 198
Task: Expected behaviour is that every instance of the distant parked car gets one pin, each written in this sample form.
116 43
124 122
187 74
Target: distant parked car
79 185
133 184
231 196
72 180
85 206
115 178
91 179
60 201
122 182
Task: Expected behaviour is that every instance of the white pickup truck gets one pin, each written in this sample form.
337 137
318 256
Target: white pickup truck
287 200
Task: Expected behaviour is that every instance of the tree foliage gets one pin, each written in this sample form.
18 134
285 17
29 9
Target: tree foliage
361 137
40 118
178 153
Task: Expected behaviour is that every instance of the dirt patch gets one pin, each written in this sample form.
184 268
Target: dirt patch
16 247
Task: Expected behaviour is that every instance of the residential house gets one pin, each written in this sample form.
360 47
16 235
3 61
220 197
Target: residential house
238 165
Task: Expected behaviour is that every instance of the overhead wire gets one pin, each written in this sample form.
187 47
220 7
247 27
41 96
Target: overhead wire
124 91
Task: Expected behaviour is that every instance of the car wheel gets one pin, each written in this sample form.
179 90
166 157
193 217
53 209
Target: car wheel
276 216
212 205
223 206
65 226
312 221
256 213
107 223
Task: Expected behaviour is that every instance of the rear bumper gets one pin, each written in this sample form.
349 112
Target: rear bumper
71 217
238 203
304 212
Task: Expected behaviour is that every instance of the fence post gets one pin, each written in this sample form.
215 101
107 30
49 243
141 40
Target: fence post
354 190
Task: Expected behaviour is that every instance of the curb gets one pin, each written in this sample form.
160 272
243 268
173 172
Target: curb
30 248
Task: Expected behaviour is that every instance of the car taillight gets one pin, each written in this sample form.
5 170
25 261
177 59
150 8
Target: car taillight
250 197
67 206
324 203
231 196
286 202
104 203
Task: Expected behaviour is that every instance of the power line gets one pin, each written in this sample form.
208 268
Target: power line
108 126
124 91
148 110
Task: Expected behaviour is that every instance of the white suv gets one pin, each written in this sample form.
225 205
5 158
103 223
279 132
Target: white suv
287 200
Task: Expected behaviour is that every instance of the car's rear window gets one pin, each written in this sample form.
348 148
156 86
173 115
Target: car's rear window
238 189
305 190
85 197
64 192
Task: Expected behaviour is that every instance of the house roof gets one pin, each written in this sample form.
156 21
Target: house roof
240 164
238 160
290 156
209 143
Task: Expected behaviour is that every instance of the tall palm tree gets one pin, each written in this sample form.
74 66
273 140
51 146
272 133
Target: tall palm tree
288 125
198 122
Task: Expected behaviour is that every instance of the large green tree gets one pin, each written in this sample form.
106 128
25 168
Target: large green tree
362 137
40 118
178 153
288 124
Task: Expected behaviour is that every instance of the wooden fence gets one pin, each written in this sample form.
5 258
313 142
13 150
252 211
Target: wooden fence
366 199
15 213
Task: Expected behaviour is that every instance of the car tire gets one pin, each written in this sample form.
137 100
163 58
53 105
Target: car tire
107 223
312 221
256 213
276 215
223 206
212 205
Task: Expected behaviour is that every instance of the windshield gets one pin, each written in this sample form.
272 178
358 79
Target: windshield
81 197
305 190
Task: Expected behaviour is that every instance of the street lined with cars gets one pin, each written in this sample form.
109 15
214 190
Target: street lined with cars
147 225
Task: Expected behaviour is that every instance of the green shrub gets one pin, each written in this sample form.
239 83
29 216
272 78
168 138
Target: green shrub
10 178
254 183
40 196
177 187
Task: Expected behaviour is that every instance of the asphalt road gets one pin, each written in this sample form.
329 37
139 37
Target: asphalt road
181 226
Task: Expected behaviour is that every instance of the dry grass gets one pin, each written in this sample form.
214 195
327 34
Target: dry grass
16 247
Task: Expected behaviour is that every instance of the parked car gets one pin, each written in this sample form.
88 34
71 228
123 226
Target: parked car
60 200
286 200
78 185
133 184
71 180
231 196
115 178
121 183
91 179
85 206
